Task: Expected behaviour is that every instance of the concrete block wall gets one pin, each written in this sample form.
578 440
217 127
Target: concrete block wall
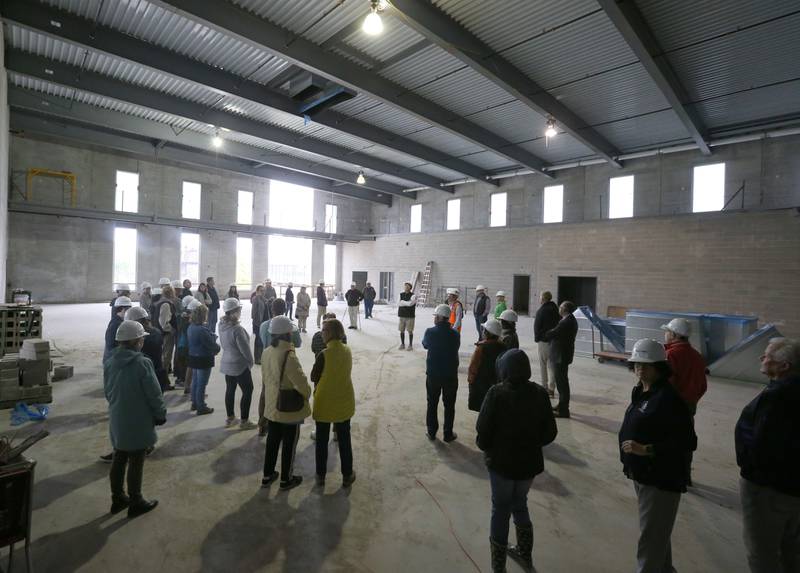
735 263
70 260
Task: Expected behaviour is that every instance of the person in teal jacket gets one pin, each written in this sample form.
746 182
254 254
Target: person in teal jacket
135 408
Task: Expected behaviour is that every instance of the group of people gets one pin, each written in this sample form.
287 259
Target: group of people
516 418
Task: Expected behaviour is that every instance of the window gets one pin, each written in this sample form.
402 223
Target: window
289 259
244 262
330 265
190 205
416 218
291 206
190 257
708 188
331 215
245 208
127 194
125 256
553 204
620 201
453 214
497 211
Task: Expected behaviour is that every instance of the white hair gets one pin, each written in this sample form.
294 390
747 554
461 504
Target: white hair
786 350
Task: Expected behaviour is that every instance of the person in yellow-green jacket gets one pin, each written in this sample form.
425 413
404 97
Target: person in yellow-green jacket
501 304
334 400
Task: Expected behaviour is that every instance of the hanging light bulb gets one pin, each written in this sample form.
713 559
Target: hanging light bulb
550 131
361 179
373 25
216 141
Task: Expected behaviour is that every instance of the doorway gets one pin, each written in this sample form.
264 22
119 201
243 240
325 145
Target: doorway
522 294
580 290
386 291
360 278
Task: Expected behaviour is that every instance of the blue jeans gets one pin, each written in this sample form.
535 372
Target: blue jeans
200 378
212 319
509 497
368 304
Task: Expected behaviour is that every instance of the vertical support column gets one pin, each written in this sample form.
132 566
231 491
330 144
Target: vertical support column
4 175
317 261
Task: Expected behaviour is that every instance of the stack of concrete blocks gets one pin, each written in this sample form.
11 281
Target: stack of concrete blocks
32 367
9 378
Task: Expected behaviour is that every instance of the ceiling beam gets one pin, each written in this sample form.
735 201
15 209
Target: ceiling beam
434 24
82 113
637 34
262 34
402 55
74 77
71 28
60 128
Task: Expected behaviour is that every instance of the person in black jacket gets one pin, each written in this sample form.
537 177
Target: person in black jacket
288 296
480 309
120 307
515 422
441 369
768 453
153 345
353 298
213 308
562 350
655 439
322 302
547 318
369 300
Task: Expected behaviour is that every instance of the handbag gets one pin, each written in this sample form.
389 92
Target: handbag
288 400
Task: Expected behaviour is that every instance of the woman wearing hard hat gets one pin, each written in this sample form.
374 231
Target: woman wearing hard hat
508 336
202 349
482 372
655 438
135 407
500 307
236 362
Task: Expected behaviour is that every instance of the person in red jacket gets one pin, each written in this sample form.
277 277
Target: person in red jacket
688 369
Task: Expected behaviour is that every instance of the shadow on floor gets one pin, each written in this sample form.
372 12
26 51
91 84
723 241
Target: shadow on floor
559 454
96 393
266 528
462 458
246 460
550 484
728 498
52 488
598 422
596 400
72 422
191 443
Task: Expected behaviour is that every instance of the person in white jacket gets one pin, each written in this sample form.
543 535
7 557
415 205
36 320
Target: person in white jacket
236 362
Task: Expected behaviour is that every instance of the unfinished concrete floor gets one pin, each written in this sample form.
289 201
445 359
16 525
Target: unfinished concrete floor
417 506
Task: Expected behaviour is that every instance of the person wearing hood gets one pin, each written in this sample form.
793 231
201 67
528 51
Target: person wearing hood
135 407
284 383
500 307
508 322
441 370
288 296
233 291
257 312
146 296
121 306
654 440
482 372
322 302
480 309
153 345
119 290
303 308
213 308
369 300
515 422
236 362
202 349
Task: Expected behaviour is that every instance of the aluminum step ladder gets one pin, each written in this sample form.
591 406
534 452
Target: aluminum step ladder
425 287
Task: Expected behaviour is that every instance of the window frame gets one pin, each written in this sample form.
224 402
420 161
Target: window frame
721 199
183 200
418 207
628 208
121 201
544 204
504 211
115 278
331 219
457 227
239 206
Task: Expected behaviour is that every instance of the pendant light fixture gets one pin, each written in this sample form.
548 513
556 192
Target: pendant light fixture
361 179
373 25
550 130
216 141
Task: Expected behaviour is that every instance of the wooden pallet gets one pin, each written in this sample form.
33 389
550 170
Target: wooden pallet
18 323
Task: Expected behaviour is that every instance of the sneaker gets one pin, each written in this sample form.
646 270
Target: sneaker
119 504
291 483
347 481
141 507
231 421
320 481
402 346
269 480
451 437
410 348
247 425
193 408
108 458
430 436
205 411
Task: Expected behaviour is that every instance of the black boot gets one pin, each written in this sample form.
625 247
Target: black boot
141 506
498 556
522 552
118 503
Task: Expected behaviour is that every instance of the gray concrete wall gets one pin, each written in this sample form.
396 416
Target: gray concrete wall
4 137
70 260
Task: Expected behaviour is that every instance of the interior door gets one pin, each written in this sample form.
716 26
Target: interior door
522 294
580 290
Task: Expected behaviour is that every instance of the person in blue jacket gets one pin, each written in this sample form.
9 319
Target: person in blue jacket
442 343
135 407
202 349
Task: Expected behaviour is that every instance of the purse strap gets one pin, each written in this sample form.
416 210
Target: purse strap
280 379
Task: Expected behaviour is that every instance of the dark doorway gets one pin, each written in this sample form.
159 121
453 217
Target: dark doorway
360 278
580 290
522 293
386 291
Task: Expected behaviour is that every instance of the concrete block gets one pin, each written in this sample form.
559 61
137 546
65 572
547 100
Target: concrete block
62 372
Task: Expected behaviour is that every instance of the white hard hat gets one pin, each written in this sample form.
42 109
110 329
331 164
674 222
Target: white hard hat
231 304
453 291
442 310
193 304
146 284
679 326
648 350
163 281
352 284
493 326
186 300
501 293
508 315
121 301
136 313
290 285
322 282
480 287
232 285
176 284
130 330
267 280
280 325
121 286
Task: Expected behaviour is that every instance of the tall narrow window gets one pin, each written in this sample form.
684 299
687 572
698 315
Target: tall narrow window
708 188
190 204
127 193
125 256
416 218
330 265
620 197
190 257
244 215
497 211
331 215
453 214
553 204
291 206
289 259
244 262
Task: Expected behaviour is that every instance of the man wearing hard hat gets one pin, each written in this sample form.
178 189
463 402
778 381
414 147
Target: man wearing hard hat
456 308
480 309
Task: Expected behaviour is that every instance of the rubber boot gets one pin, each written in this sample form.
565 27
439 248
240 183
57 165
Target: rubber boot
522 552
498 556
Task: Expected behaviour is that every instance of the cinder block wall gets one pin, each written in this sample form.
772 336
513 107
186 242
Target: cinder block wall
70 260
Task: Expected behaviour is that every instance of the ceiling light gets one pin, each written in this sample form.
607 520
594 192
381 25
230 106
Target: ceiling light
550 131
373 25
216 141
361 179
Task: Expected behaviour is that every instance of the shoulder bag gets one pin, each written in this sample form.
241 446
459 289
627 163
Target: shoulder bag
288 400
